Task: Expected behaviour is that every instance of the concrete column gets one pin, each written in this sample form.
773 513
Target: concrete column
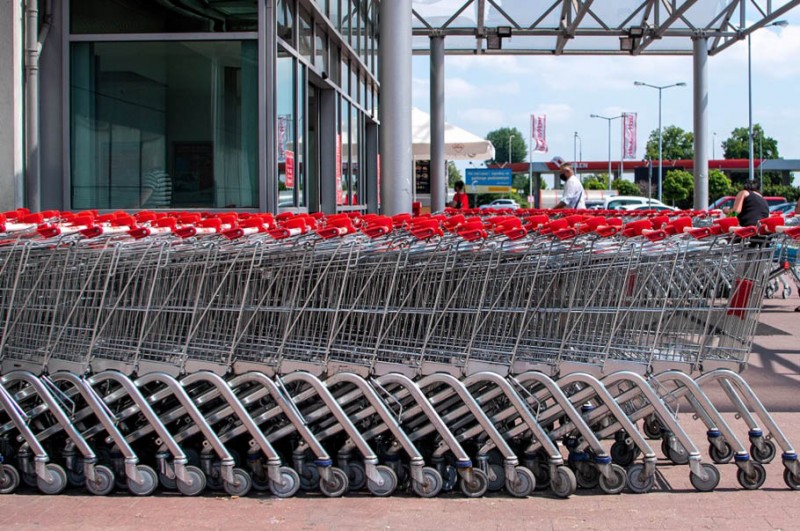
11 96
438 176
700 88
395 111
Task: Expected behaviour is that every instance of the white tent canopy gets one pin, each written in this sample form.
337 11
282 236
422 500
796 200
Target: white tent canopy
458 143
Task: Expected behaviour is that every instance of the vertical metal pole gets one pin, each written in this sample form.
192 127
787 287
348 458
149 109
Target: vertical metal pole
761 162
438 179
530 162
395 110
609 154
660 154
700 63
267 105
32 151
751 171
621 145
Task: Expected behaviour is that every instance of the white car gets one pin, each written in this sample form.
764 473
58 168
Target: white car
502 203
628 202
652 207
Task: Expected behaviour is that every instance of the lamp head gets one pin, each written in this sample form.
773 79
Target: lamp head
681 84
638 83
780 23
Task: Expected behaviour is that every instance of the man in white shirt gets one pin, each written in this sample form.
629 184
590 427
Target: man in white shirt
573 196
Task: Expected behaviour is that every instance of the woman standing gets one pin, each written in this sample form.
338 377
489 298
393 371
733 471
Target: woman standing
750 207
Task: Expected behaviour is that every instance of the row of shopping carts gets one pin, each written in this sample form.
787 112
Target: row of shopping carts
239 352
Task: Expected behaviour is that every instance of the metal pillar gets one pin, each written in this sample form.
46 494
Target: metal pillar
11 84
700 93
438 178
268 157
395 111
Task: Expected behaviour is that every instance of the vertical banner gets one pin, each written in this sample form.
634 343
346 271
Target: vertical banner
539 132
339 194
289 169
282 130
629 135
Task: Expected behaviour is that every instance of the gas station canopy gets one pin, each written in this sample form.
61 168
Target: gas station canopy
588 27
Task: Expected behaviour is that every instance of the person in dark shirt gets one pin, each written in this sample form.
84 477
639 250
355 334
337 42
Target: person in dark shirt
460 199
750 207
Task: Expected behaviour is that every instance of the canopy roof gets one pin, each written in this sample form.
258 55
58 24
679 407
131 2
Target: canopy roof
458 143
607 27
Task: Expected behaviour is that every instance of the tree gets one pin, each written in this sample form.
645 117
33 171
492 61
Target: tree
453 174
678 188
737 146
499 138
676 144
718 185
596 182
624 187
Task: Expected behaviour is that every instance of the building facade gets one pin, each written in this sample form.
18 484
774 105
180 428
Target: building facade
198 104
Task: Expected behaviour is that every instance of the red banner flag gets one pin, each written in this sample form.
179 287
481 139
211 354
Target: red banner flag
539 132
629 135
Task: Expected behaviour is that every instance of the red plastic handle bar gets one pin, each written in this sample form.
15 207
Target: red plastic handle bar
745 232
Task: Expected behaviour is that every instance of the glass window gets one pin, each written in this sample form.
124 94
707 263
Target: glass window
321 50
164 124
155 16
357 137
286 21
304 43
300 166
343 186
334 14
335 65
286 94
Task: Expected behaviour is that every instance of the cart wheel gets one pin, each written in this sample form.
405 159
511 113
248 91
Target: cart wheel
497 482
615 483
149 481
9 479
167 482
58 480
524 485
263 484
769 292
638 482
677 455
104 481
196 481
290 483
241 485
765 456
721 457
564 483
478 486
309 477
756 480
76 478
431 484
356 476
652 428
787 292
587 476
792 481
389 482
337 485
622 453
709 484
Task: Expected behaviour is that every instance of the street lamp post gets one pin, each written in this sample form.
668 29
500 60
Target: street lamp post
609 120
751 170
714 147
660 132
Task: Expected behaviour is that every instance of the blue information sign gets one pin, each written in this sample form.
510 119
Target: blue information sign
488 180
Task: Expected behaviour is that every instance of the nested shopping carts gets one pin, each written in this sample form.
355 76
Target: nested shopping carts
519 352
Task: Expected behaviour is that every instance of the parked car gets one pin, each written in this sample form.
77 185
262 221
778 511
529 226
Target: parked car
594 204
651 207
726 202
502 203
627 202
783 208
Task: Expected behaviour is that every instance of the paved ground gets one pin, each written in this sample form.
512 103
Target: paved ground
774 373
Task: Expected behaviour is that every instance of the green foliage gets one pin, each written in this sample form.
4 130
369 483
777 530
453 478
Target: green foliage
453 174
737 145
791 193
676 144
678 188
718 185
624 187
499 138
520 182
596 182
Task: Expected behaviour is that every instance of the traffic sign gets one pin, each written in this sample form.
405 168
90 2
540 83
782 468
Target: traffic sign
488 180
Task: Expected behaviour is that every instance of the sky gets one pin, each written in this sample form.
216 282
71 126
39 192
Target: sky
486 93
